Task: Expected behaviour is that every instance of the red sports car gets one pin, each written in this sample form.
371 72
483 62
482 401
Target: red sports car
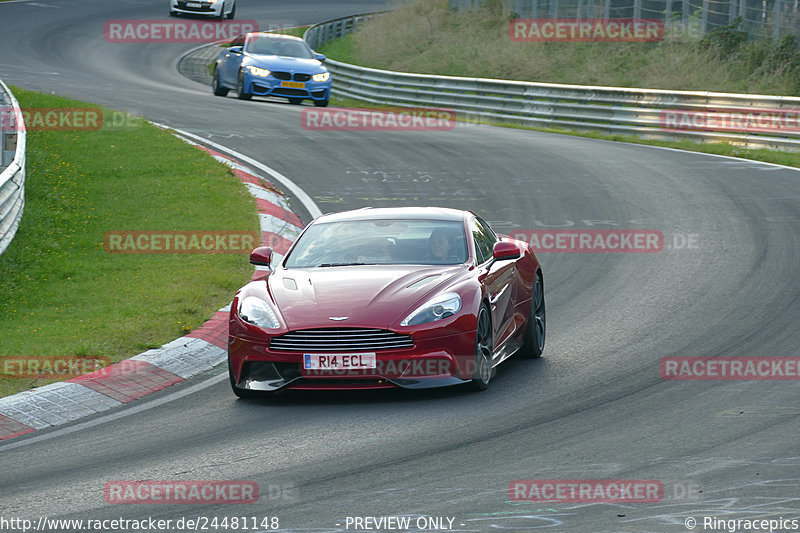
382 298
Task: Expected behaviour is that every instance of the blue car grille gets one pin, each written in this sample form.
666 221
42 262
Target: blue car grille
340 340
287 91
287 76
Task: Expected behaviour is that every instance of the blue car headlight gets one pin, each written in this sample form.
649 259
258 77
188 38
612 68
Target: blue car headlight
256 71
258 312
442 306
323 76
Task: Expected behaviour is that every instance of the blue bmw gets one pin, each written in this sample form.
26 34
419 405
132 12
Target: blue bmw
269 64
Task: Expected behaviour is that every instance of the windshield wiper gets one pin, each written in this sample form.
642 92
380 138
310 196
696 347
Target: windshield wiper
340 264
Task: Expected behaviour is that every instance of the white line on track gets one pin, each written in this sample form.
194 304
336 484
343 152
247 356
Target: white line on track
115 416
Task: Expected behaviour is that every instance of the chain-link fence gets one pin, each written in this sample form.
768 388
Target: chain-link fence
760 18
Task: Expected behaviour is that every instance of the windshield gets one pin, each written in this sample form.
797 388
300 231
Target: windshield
273 46
380 242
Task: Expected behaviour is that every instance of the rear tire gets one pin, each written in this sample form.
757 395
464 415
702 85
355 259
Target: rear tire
240 88
537 323
216 86
484 348
233 12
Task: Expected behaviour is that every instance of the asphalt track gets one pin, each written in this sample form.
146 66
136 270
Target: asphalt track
595 407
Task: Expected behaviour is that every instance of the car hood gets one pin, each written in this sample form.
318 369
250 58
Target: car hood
306 66
369 296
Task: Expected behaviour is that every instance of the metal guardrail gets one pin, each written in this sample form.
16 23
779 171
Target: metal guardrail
12 166
611 110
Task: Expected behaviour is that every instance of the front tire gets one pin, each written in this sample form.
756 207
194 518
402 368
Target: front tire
216 86
537 322
295 101
322 103
233 12
484 348
240 88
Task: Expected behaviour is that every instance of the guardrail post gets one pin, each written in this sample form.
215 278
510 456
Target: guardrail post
637 9
704 17
731 11
776 29
553 9
668 14
685 14
607 10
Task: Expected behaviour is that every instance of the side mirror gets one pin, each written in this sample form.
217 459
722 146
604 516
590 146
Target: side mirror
261 256
320 57
505 250
236 50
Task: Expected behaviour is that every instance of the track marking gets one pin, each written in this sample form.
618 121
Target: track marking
116 416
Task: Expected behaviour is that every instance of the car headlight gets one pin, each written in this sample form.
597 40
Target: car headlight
324 76
257 312
442 306
255 71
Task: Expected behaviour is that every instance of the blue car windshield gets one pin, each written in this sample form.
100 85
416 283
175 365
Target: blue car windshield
271 46
380 242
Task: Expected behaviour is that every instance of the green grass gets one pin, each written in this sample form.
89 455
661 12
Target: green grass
61 293
297 32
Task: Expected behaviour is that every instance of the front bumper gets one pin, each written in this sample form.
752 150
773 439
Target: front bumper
431 362
211 10
270 86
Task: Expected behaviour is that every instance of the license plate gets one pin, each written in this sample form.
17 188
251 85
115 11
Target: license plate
339 361
192 4
293 84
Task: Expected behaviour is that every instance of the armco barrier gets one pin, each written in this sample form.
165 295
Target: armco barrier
12 166
743 119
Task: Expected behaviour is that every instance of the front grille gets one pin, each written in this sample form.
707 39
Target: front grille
340 340
286 91
287 76
203 8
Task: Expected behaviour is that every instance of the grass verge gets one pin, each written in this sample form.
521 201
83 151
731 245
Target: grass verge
61 293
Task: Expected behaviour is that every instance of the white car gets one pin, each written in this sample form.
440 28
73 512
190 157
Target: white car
213 8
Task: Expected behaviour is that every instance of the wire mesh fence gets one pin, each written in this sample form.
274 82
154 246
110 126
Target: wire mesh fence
760 18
